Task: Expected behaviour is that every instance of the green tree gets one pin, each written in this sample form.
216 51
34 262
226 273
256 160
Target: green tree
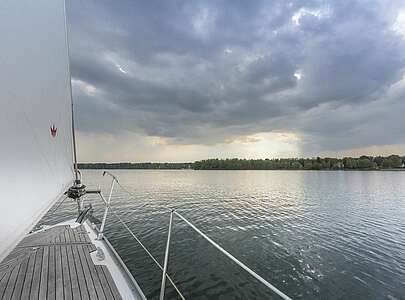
365 163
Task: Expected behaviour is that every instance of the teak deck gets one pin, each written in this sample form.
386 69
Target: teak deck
55 264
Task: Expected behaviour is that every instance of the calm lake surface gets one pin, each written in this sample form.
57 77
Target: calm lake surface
313 234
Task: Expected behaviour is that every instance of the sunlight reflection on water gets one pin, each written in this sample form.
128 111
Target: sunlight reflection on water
330 235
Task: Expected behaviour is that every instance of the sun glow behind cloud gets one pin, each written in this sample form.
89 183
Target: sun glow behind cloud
318 13
223 79
298 75
136 147
399 25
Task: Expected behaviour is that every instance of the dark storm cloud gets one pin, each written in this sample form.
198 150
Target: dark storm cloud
207 71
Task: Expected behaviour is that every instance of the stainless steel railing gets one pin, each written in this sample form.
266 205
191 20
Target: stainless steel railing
167 250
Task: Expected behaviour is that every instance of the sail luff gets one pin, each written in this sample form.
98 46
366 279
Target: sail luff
36 150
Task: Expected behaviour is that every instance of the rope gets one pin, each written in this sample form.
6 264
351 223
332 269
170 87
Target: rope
60 203
146 250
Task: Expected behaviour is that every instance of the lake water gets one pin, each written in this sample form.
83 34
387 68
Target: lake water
313 234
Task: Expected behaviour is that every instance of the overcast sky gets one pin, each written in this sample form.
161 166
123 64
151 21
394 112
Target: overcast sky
188 80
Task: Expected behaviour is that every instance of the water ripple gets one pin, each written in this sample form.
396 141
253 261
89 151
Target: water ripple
329 235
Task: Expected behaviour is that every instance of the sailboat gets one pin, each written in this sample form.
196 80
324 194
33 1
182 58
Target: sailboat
72 259
38 164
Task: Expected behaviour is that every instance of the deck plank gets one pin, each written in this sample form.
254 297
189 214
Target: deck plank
104 283
87 276
67 282
71 236
111 283
96 280
11 283
62 237
51 291
55 264
28 276
73 274
20 279
3 283
36 278
78 234
80 274
86 237
43 286
57 239
59 273
92 247
67 236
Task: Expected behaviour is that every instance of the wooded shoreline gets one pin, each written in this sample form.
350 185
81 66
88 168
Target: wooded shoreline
364 163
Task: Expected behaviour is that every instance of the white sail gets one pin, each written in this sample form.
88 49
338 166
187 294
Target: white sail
36 161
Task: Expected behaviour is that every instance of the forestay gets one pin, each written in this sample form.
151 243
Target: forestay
35 114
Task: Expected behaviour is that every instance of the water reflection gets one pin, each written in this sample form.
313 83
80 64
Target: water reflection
330 235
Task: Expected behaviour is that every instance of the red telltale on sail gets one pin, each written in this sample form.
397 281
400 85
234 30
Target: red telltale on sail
53 130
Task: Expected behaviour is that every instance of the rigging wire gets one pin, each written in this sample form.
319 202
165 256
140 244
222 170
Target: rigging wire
130 194
126 190
146 250
69 87
137 239
251 272
59 204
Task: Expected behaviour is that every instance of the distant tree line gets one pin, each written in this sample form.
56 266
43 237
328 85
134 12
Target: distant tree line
318 163
127 165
